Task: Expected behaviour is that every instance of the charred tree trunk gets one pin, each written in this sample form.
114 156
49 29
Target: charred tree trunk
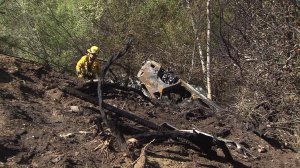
107 120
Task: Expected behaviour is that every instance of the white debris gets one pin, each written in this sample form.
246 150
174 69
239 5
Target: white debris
75 109
66 135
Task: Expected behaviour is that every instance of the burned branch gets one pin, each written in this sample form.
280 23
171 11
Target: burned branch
89 85
202 140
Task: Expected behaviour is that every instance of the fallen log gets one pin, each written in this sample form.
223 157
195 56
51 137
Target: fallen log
269 139
196 94
139 92
202 140
117 86
111 108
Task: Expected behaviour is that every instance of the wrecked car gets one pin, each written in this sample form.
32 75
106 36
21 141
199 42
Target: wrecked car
158 82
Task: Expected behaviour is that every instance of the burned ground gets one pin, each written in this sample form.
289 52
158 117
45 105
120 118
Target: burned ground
39 127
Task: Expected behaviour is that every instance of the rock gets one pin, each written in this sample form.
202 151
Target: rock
57 159
75 109
132 141
261 149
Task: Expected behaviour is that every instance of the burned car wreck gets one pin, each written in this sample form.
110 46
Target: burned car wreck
158 83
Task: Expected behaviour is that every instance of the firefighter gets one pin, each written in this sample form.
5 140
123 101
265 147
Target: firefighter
88 66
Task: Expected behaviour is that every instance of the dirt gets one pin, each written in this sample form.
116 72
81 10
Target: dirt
38 128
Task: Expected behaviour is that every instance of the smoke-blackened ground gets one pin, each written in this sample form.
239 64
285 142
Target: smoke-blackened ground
38 128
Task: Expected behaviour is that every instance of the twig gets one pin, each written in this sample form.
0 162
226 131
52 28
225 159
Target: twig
141 160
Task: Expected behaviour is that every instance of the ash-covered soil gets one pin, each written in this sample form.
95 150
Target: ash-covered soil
38 128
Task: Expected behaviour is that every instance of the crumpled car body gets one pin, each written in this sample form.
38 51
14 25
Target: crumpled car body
158 83
150 75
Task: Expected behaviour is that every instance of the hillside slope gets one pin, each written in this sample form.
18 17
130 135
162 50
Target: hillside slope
39 129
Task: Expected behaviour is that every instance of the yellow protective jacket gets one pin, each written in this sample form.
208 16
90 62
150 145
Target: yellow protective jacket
85 67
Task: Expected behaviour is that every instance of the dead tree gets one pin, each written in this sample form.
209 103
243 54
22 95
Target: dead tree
107 121
196 32
209 94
